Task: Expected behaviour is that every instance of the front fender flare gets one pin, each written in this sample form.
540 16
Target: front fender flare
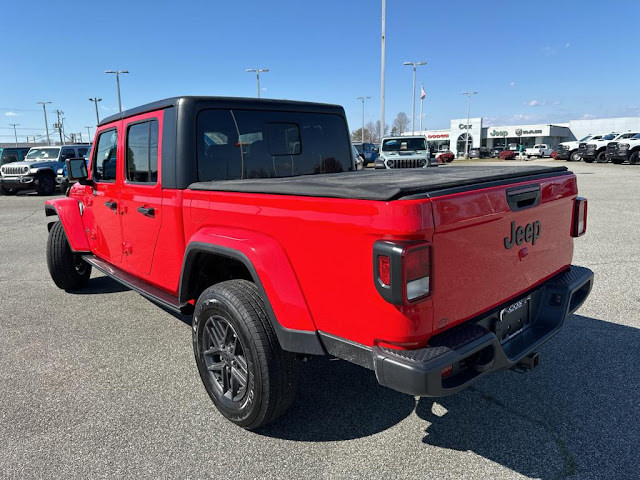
68 211
272 273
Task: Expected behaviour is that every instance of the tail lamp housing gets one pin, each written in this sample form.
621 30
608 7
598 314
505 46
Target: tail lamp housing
402 271
579 221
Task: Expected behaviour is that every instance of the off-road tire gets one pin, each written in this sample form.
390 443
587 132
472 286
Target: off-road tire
46 184
633 158
67 269
574 157
602 157
270 371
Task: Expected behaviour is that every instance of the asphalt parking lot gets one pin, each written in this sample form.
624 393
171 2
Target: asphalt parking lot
102 383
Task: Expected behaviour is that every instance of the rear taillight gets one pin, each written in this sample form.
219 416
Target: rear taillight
579 223
402 270
416 267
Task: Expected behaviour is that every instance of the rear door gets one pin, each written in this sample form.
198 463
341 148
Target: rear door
102 217
141 191
487 251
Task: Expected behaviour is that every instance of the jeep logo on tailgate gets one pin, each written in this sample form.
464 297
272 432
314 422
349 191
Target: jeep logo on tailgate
530 233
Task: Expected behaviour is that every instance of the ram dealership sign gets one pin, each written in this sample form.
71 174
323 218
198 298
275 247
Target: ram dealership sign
520 131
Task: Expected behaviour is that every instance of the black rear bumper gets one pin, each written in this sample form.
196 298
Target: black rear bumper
473 349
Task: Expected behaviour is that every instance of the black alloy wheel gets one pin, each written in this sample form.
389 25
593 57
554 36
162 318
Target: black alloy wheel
633 158
224 358
602 157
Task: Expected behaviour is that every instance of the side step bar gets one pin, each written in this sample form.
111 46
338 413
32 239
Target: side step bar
154 294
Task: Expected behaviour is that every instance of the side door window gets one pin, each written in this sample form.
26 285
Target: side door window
67 153
141 164
104 160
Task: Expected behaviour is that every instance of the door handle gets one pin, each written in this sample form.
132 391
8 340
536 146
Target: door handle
147 211
112 205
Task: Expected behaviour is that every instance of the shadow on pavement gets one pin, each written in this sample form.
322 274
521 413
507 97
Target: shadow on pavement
337 400
102 284
577 414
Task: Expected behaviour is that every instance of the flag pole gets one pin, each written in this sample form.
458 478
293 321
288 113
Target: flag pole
421 102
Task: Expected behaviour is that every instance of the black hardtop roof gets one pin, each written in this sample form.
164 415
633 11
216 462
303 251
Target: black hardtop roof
188 102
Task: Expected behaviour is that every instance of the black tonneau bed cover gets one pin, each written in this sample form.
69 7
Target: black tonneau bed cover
386 185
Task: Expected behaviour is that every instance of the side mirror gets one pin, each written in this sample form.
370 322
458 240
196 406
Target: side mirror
376 149
77 170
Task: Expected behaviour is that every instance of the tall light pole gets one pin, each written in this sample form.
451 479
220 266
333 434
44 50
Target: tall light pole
88 132
257 71
422 95
95 100
14 125
382 65
117 74
466 140
46 124
363 99
415 66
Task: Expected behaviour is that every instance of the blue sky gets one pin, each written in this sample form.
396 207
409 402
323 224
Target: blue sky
545 62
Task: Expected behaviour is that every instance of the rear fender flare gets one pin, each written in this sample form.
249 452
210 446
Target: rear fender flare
68 211
272 273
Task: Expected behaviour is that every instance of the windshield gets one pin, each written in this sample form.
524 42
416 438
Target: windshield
636 136
585 138
43 154
401 144
610 136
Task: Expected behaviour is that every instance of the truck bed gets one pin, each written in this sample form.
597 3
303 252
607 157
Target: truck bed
385 185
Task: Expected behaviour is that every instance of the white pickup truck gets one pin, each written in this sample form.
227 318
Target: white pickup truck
539 150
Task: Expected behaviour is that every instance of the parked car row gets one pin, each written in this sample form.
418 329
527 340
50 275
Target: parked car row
612 147
41 169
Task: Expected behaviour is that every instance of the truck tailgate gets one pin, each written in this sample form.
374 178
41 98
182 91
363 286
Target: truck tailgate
482 259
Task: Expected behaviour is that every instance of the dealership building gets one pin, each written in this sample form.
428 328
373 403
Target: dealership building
454 138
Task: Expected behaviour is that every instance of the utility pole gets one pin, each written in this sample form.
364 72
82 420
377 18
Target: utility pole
117 74
14 125
466 140
257 71
88 132
363 99
46 124
382 64
96 100
58 125
415 66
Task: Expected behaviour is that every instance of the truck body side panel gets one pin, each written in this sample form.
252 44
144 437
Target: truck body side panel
321 259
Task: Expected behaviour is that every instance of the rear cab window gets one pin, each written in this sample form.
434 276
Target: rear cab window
239 144
141 157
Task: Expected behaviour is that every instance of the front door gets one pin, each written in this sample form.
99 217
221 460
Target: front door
102 213
141 191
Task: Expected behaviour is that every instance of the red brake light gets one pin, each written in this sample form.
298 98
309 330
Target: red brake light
579 226
384 270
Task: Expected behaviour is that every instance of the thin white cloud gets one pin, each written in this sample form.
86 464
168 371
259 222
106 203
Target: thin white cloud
534 103
512 84
10 114
548 50
588 116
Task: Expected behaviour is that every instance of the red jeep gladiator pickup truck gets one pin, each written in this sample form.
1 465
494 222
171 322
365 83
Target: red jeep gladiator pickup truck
248 215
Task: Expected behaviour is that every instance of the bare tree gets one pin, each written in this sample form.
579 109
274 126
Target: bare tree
401 123
356 135
374 131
